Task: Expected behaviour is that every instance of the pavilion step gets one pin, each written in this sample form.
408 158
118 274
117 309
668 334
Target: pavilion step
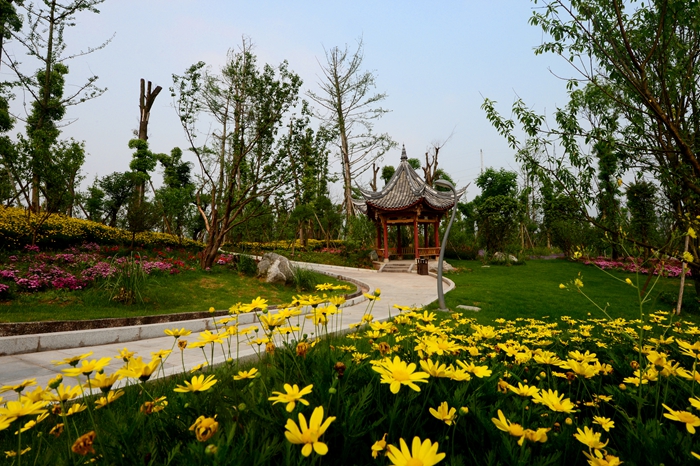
396 268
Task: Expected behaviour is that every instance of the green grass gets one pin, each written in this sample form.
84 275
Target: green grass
532 291
191 291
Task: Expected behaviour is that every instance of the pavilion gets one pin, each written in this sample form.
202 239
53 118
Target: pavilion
407 200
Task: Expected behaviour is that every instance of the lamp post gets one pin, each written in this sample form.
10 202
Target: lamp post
441 294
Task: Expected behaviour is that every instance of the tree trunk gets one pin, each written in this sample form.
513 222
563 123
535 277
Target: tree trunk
146 100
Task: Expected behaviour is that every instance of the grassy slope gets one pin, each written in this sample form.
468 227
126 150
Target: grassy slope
165 294
532 290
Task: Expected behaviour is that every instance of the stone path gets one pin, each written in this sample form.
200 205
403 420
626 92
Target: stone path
25 362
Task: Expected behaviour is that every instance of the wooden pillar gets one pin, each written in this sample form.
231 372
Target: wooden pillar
379 234
415 236
386 242
437 232
399 245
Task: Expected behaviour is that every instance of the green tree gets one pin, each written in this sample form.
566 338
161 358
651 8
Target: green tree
176 196
350 108
497 209
43 40
239 160
637 65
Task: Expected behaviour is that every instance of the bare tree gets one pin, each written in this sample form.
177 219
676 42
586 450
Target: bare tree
349 106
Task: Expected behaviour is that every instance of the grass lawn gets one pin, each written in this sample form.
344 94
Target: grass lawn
532 291
191 291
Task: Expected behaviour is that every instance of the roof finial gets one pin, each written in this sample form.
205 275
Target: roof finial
403 153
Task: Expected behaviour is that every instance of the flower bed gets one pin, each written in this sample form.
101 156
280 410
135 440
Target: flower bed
420 389
78 267
57 231
670 268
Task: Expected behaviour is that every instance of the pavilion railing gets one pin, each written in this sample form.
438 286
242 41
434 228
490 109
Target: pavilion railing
410 251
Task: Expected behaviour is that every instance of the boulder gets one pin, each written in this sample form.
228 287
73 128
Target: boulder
433 266
374 257
469 308
275 269
501 257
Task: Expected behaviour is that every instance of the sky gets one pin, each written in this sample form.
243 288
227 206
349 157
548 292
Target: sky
436 61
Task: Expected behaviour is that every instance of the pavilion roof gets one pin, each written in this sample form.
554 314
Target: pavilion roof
405 189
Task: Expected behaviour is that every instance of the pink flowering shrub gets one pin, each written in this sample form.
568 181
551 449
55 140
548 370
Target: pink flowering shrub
671 268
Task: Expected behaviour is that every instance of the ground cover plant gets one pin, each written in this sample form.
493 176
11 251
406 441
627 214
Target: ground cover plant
422 388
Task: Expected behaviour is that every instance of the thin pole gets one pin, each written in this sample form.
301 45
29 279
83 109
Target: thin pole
441 294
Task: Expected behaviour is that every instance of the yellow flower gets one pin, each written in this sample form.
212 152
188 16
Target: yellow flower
379 446
444 413
160 354
539 435
12 453
478 371
63 393
599 458
19 387
628 281
75 409
17 409
125 355
72 361
688 257
102 381
562 286
137 369
397 373
421 453
691 421
154 406
5 422
87 367
309 434
691 233
105 400
554 401
292 395
177 333
251 374
83 445
198 384
435 369
522 390
578 283
205 427
604 422
371 297
589 438
516 430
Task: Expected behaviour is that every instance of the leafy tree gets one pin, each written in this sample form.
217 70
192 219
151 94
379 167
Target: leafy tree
44 41
387 172
240 164
637 65
641 203
142 163
117 189
350 108
497 209
176 196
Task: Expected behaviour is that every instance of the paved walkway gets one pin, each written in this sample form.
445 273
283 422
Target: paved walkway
25 362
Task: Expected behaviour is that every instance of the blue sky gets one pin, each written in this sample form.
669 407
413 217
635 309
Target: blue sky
435 60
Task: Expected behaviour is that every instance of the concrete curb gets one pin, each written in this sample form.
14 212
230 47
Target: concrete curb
34 343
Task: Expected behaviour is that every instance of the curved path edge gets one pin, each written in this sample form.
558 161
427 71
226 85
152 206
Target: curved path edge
29 356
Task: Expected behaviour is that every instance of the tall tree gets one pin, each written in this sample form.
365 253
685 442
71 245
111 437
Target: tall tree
241 168
44 40
350 107
637 72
